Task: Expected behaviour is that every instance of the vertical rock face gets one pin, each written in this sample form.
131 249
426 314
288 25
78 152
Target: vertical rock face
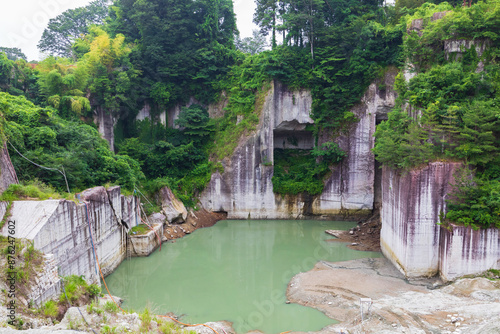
350 189
464 251
245 188
7 172
48 280
60 228
145 244
106 124
411 205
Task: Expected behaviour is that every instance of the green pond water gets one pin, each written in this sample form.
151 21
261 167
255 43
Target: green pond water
236 271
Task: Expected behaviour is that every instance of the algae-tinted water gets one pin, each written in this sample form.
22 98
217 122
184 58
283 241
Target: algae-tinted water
236 271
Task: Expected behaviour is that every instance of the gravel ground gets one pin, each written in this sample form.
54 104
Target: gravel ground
399 306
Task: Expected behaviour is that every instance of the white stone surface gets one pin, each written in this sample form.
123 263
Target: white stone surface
411 204
245 188
59 228
145 244
173 209
49 282
465 251
106 122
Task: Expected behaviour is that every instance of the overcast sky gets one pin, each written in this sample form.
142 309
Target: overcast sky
22 21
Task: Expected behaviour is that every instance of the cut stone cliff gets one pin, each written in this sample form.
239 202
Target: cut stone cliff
245 189
60 229
411 205
411 237
8 174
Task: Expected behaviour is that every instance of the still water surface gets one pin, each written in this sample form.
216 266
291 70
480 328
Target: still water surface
236 271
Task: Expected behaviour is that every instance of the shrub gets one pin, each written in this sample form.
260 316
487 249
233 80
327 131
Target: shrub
50 309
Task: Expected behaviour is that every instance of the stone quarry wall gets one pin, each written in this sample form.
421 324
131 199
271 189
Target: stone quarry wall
59 229
145 244
106 125
410 236
48 282
465 251
411 204
7 172
245 188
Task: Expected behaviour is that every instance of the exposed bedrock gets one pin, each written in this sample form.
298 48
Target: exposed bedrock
464 251
60 229
245 189
7 172
411 205
173 209
106 125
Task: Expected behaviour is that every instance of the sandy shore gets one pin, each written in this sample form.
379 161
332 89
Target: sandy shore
399 305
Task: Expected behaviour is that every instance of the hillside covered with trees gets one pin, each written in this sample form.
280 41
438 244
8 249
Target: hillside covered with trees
162 53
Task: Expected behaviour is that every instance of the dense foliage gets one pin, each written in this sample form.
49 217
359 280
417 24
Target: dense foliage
47 139
303 171
158 54
184 46
17 77
450 109
63 31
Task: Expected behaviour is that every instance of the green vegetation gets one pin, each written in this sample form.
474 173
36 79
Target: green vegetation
303 171
32 190
146 319
492 274
50 309
110 307
77 290
296 171
454 104
49 140
139 230
134 55
63 32
170 327
93 307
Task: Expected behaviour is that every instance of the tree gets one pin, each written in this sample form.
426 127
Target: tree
481 133
62 84
252 45
186 45
13 53
73 24
266 16
302 19
195 123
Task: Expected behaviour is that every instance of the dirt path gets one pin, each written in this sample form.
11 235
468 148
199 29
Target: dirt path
399 306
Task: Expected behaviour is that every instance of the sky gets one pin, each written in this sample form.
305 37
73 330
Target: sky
22 21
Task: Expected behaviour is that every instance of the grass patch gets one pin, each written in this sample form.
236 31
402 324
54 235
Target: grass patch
32 190
78 291
110 307
492 274
93 308
146 319
140 229
50 309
